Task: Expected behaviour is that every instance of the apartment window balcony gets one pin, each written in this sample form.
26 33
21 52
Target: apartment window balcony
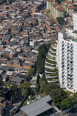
71 48
68 80
62 52
62 75
68 71
63 62
62 82
62 48
68 68
68 51
62 72
62 59
70 74
62 68
68 63
71 69
71 57
68 57
71 54
62 44
68 46
67 85
62 65
71 65
71 62
68 60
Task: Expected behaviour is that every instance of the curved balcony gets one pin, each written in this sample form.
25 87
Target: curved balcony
50 67
51 52
49 56
51 72
51 77
47 72
56 74
50 61
53 80
53 65
49 64
54 46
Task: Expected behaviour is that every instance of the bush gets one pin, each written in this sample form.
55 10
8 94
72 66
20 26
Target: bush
60 19
67 103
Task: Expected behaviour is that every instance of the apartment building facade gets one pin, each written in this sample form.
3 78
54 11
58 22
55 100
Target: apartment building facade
56 10
67 61
75 21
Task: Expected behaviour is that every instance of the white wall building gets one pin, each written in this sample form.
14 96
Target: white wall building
67 61
75 21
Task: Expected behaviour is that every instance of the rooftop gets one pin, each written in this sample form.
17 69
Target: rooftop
37 107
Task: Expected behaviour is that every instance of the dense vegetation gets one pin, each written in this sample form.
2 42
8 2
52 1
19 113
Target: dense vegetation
75 8
30 74
12 93
42 51
62 99
25 88
60 19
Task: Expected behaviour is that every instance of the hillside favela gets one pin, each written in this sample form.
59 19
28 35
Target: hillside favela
38 57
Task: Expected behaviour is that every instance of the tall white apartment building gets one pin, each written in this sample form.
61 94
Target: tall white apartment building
67 61
75 21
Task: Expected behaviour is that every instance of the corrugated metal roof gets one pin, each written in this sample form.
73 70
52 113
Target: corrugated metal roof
37 107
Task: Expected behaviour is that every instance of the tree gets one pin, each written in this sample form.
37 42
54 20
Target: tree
12 92
51 86
60 19
55 92
38 84
25 88
67 103
75 8
58 95
1 85
42 51
30 73
43 83
37 87
75 94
